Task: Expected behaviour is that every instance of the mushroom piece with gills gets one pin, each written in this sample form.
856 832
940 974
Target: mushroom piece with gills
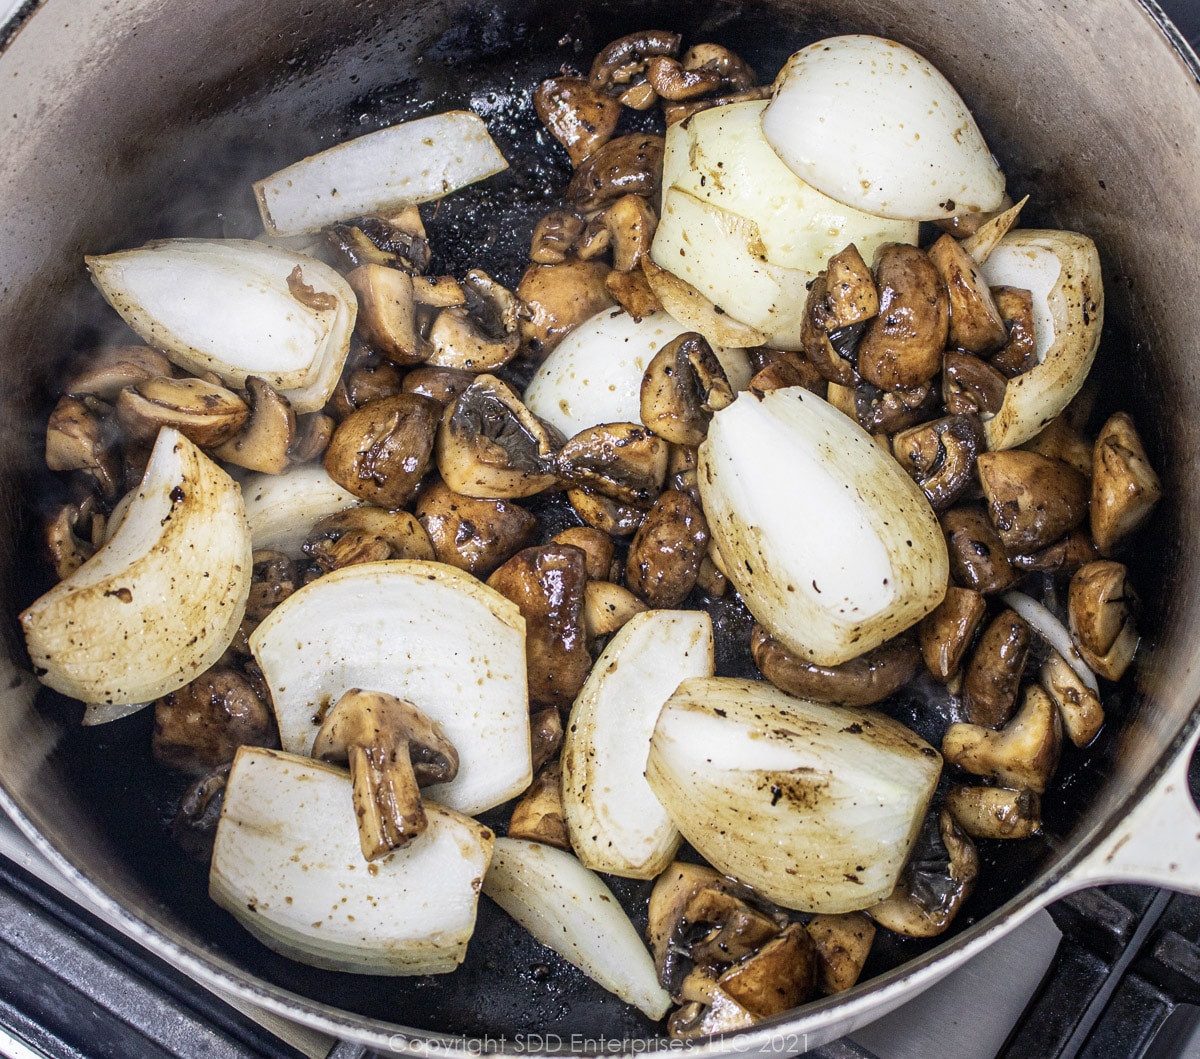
977 557
108 370
397 243
863 681
387 318
490 445
841 300
65 548
265 441
194 825
1100 607
1019 352
843 944
946 634
1078 705
577 114
624 461
392 749
992 677
1125 487
940 456
681 389
664 558
604 513
1032 500
202 411
441 384
971 385
538 816
481 335
79 437
622 63
995 812
975 321
628 165
1022 755
936 881
366 534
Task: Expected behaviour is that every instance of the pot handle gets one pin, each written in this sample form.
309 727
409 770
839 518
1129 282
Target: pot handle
1156 843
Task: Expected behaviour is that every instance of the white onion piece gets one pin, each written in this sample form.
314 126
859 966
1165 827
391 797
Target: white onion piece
160 602
570 910
381 172
875 125
1062 271
287 864
225 306
815 806
722 256
102 712
282 508
830 544
594 375
1050 629
721 156
615 822
422 631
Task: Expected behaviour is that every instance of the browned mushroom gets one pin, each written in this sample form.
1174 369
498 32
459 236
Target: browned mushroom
274 579
441 384
706 1009
677 112
1022 755
632 292
387 316
381 452
682 388
79 438
995 812
993 674
1078 705
555 237
623 61
630 222
392 750
1032 500
578 114
1061 441
265 442
365 379
473 535
902 346
66 549
481 335
778 977
938 878
736 73
108 371
545 736
841 300
971 385
664 558
606 607
940 456
1125 488
671 81
491 445
888 411
628 165
977 558
194 826
397 242
366 534
596 545
947 632
1064 556
314 430
438 292
864 680
604 513
547 585
625 461
202 724
555 299
1019 352
788 369
682 464
976 324
843 943
538 816
1100 607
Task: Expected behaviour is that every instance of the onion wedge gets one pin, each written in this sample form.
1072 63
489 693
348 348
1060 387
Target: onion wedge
421 631
287 865
236 307
570 910
382 172
1062 271
816 807
160 602
282 508
614 820
830 544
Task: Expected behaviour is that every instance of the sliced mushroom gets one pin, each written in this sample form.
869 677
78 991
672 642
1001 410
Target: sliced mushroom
939 877
604 513
481 335
992 677
681 389
547 585
538 815
397 242
630 222
1032 500
671 81
545 736
438 292
473 535
441 384
606 607
194 826
65 548
380 453
976 324
265 442
79 438
995 812
109 371
623 61
555 237
387 317
201 725
1019 352
667 925
555 299
628 165
971 385
868 679
367 534
578 114
491 445
977 558
674 113
1125 488
664 558
1078 705
392 749
625 461
707 1010
947 632
843 943
902 346
940 456
1100 607
273 580
596 546
1022 755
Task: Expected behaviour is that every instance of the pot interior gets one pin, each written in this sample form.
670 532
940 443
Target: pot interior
153 120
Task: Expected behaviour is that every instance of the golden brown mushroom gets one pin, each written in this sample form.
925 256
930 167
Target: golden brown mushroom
947 632
398 242
682 388
940 456
664 558
843 943
265 442
1125 488
604 513
1032 500
577 113
473 535
538 815
606 607
366 534
992 676
79 437
204 412
975 321
481 335
624 461
545 735
555 299
623 62
596 545
387 313
555 237
995 812
1078 705
1099 605
1022 755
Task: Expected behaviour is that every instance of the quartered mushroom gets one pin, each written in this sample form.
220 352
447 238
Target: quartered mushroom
1018 354
578 114
109 370
392 749
888 411
370 379
630 223
364 535
265 441
397 242
387 312
785 369
862 681
684 384
841 300
472 534
976 324
936 881
736 74
940 456
604 513
538 815
1032 500
555 237
1064 556
1079 705
1125 487
624 461
628 165
971 385
665 555
1022 755
1061 440
778 977
313 433
633 293
843 943
946 633
606 607
596 546
1100 607
977 557
481 335
80 438
992 677
491 445
995 812
557 298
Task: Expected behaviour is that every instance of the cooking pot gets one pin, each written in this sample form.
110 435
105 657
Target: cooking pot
150 118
